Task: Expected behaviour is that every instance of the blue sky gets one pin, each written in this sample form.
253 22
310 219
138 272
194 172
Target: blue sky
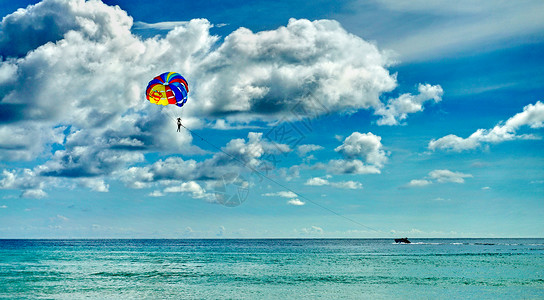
325 119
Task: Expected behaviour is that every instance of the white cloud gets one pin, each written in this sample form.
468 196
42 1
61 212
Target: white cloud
253 75
238 153
191 187
356 148
88 160
351 185
95 184
398 109
317 181
313 230
295 202
312 64
241 155
62 16
290 173
532 116
419 182
448 176
93 44
32 186
224 124
284 194
3 206
135 177
159 25
354 166
27 141
156 193
364 145
34 193
88 38
181 175
302 150
440 176
72 73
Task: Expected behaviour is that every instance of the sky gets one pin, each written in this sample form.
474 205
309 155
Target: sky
305 119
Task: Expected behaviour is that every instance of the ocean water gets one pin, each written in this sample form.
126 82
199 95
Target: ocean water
272 269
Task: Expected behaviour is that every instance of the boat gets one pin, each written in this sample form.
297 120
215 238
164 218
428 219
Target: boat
402 241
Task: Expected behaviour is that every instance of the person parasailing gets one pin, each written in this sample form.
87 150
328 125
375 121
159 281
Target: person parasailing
168 88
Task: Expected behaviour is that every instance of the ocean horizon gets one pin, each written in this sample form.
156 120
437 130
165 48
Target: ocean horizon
272 268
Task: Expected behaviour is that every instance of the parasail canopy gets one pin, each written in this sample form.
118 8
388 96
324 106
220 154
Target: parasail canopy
168 88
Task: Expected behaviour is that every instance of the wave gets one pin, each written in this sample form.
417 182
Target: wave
470 244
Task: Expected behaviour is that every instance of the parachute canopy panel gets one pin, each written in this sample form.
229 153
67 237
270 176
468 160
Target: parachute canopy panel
168 88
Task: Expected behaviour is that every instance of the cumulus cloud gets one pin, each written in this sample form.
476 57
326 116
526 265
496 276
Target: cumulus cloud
87 161
238 156
317 181
363 145
290 173
85 39
95 184
249 75
352 166
532 116
44 22
171 168
398 109
363 154
84 69
440 176
89 166
191 187
304 63
72 73
293 200
27 181
26 142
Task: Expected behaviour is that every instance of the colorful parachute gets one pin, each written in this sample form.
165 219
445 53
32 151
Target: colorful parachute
168 88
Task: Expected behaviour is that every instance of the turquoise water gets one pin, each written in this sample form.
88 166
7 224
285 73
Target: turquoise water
272 269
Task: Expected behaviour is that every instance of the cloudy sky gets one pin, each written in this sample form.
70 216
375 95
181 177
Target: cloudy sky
372 118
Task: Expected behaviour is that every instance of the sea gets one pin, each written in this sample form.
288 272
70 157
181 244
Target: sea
272 269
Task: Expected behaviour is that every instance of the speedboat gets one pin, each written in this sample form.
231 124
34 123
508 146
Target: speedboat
402 241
